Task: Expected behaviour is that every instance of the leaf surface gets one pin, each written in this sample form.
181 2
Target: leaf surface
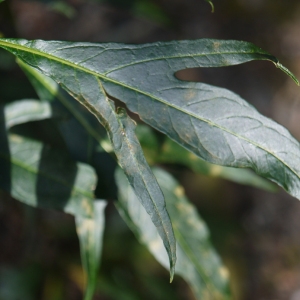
170 152
44 177
214 123
197 261
26 110
40 175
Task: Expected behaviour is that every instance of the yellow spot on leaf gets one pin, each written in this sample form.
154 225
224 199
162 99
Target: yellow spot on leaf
216 45
16 138
215 170
155 245
87 207
179 191
192 156
224 272
190 94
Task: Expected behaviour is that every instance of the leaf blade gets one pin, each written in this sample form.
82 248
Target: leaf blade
197 261
99 62
178 109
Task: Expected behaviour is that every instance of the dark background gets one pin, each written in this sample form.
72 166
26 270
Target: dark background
257 233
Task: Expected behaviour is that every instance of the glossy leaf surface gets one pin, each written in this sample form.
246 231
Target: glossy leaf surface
197 262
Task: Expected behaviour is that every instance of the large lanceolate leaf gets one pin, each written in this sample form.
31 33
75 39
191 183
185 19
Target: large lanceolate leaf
197 262
212 122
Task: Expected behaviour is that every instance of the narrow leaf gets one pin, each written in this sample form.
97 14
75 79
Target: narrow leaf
90 234
145 185
215 124
197 262
44 183
43 177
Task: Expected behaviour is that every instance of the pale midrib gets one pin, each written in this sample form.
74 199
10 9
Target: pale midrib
63 61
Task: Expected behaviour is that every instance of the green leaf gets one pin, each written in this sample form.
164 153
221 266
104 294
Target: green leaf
134 164
84 136
44 177
90 233
170 152
26 110
128 151
214 123
197 262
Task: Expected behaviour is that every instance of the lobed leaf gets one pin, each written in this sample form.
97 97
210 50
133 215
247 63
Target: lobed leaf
197 262
214 123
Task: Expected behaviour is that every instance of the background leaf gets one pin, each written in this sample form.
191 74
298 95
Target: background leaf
197 262
44 177
26 110
90 233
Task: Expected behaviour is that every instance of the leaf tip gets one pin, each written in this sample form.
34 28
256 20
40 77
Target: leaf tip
172 268
287 71
172 273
